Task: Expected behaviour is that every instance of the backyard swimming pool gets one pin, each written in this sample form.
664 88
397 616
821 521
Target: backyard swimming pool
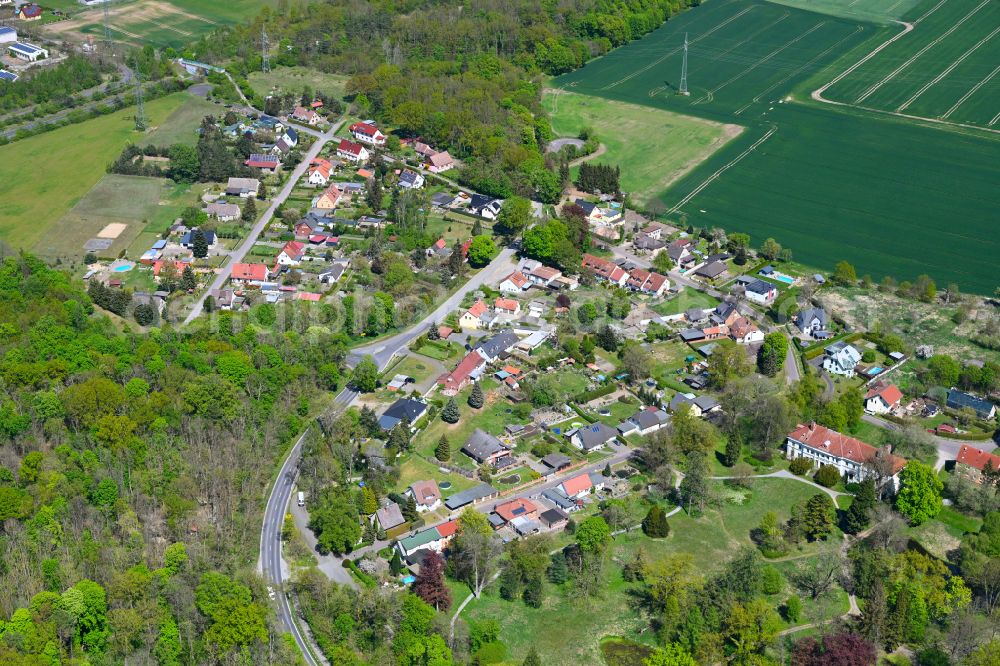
787 279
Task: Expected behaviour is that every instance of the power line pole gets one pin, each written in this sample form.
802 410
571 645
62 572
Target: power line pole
108 41
140 108
684 69
265 56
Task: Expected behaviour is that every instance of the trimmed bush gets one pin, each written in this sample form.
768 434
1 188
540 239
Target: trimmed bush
827 476
800 466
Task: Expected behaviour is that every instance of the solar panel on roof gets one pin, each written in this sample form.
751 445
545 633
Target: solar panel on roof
518 511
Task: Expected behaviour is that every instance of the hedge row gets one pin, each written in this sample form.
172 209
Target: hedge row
595 393
365 579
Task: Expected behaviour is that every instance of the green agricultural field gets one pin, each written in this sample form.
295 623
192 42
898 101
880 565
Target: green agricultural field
292 79
895 196
631 133
876 11
946 68
64 165
162 23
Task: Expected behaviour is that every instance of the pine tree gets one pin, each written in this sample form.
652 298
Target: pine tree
395 564
477 228
450 413
817 519
607 471
533 592
858 515
399 438
476 398
199 243
368 421
558 572
410 510
734 449
532 659
443 450
249 211
655 523
188 283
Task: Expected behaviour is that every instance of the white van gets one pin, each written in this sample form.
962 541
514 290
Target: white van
302 498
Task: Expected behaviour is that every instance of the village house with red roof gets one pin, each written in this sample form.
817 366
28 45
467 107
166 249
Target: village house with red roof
367 131
975 463
254 274
354 152
882 398
850 456
291 254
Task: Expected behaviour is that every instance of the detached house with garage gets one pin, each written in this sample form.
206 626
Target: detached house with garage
761 292
515 283
426 494
468 370
882 398
593 437
811 320
319 171
291 254
471 318
484 448
850 456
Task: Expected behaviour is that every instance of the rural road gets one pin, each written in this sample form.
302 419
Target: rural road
947 449
236 256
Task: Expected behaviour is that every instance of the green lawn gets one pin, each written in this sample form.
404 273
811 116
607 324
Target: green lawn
64 165
415 468
687 299
441 350
181 126
679 142
492 418
292 79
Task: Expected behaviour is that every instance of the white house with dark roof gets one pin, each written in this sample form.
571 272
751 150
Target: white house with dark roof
27 52
593 437
841 359
811 320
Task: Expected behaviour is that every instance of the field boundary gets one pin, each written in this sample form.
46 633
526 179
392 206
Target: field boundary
972 91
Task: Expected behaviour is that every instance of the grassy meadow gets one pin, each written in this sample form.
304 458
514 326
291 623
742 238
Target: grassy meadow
292 79
63 165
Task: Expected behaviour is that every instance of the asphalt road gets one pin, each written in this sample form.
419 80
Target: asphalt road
236 256
947 448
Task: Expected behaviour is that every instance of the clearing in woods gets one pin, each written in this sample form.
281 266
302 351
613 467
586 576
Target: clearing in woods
892 194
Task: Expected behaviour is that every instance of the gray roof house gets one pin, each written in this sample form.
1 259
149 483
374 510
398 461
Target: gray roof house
712 270
493 347
841 359
470 496
404 408
958 400
593 437
483 447
556 461
811 320
389 516
649 420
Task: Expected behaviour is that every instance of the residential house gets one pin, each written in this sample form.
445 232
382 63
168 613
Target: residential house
725 314
745 332
439 162
433 538
648 244
959 400
439 249
307 116
411 180
243 187
442 199
761 292
426 494
470 496
975 463
811 320
484 206
319 172
422 150
354 152
484 448
248 274
307 227
188 239
8 35
712 270
160 265
471 318
334 273
290 137
679 251
507 306
561 500
329 199
496 346
291 254
605 270
544 276
389 516
516 508
648 420
841 358
367 131
553 519
850 456
409 409
29 12
266 163
224 298
600 215
581 485
223 212
655 230
27 52
593 437
514 283
699 405
882 398
468 369
647 282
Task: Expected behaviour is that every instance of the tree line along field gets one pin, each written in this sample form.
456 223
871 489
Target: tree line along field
946 67
894 196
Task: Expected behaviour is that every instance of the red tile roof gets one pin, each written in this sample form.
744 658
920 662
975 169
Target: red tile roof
577 484
477 309
835 444
977 458
159 265
447 529
507 304
365 129
518 278
293 249
440 159
546 272
425 492
256 272
462 371
888 392
445 331
515 509
350 147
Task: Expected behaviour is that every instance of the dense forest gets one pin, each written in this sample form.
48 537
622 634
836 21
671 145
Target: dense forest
465 77
131 476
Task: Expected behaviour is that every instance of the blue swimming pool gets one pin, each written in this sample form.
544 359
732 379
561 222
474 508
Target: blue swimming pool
784 278
123 268
877 370
408 579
